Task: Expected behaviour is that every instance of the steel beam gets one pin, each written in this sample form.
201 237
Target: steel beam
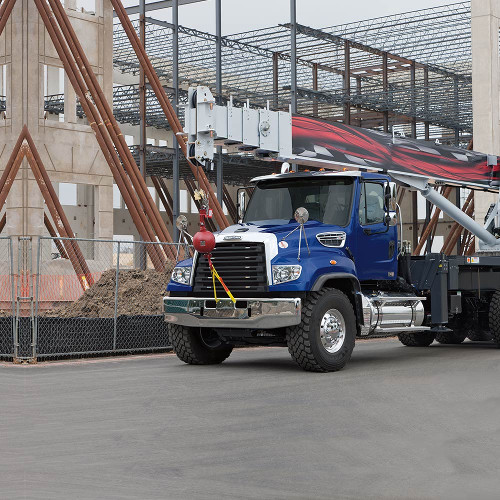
163 4
142 92
275 80
175 145
218 96
315 87
347 82
293 55
385 88
413 100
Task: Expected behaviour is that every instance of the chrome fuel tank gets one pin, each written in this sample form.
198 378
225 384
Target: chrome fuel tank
386 312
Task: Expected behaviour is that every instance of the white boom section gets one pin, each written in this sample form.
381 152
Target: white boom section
261 131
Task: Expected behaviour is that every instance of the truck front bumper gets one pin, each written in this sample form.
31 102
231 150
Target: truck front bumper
246 313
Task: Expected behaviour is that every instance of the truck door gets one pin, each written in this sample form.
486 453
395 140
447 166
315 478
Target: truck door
376 251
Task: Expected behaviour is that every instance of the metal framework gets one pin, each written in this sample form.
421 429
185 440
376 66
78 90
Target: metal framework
159 161
409 70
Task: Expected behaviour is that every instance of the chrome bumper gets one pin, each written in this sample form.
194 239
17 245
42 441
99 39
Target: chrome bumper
246 313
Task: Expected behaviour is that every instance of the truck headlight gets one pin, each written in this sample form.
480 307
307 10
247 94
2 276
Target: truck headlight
282 274
181 275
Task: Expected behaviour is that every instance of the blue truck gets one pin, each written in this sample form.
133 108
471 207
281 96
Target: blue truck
316 263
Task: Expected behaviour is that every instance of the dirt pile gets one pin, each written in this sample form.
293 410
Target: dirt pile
139 292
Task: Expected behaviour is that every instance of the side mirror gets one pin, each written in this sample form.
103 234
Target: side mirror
391 196
242 202
392 219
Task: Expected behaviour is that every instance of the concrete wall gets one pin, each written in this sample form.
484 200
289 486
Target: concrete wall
68 148
485 87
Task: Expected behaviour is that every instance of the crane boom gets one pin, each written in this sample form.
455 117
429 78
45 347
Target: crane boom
279 135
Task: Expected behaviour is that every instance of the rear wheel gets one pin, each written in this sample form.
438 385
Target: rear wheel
468 325
453 337
416 339
198 346
494 317
478 336
324 340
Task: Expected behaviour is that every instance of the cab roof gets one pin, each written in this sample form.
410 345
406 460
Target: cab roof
316 174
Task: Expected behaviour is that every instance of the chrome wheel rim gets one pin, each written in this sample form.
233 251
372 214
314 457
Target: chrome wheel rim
332 331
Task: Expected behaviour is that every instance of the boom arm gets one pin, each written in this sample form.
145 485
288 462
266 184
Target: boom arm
490 242
309 141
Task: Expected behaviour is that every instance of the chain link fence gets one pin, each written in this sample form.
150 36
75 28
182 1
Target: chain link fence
51 305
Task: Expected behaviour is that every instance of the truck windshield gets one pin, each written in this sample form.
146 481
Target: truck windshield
327 200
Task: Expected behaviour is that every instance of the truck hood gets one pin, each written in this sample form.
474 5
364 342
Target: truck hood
278 228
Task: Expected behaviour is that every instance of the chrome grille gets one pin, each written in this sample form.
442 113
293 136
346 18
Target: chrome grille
241 265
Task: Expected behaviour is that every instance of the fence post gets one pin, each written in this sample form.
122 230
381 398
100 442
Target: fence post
17 291
13 293
116 295
36 294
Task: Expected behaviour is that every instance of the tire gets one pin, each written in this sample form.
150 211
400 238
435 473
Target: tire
422 339
198 346
467 325
312 344
494 317
453 337
479 336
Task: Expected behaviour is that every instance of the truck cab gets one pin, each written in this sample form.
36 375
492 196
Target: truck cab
312 265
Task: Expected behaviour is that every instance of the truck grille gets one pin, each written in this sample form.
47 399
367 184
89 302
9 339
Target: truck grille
242 266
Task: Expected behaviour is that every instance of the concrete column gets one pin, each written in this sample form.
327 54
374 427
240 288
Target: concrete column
485 24
25 206
103 203
69 102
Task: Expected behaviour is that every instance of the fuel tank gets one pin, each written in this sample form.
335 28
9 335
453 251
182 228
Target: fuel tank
387 312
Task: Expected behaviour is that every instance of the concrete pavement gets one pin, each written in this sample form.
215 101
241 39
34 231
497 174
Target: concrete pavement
397 423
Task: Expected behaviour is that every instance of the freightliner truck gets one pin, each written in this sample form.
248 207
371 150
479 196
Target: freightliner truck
317 261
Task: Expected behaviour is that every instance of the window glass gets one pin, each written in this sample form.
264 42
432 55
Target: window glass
67 194
183 201
371 204
117 199
327 200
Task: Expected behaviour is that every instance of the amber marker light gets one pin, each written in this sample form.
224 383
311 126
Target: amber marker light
333 262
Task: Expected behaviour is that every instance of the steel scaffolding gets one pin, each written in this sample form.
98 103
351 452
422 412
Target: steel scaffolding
409 71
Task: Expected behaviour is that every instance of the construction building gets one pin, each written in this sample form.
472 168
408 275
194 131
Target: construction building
409 74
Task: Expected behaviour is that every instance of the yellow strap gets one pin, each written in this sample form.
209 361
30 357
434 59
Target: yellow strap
230 295
213 280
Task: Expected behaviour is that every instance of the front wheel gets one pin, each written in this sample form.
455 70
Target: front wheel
324 340
198 346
